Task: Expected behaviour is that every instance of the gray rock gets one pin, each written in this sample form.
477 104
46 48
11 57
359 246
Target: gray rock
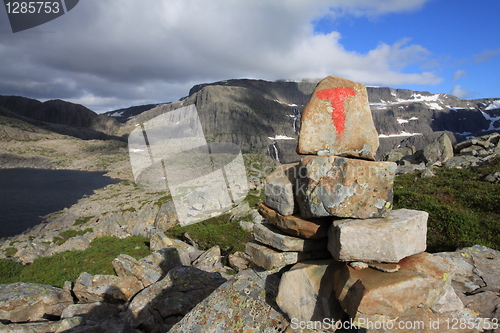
210 260
270 235
306 292
338 186
126 265
402 233
160 241
238 260
476 280
242 304
427 173
175 295
62 326
166 218
22 302
96 312
279 188
272 260
493 177
448 302
170 258
439 150
110 288
398 153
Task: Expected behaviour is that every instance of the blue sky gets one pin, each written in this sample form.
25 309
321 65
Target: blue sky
462 39
118 53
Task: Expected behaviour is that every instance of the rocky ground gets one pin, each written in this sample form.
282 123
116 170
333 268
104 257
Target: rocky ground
178 287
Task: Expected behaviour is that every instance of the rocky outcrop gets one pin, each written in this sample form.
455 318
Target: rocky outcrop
245 303
22 302
469 153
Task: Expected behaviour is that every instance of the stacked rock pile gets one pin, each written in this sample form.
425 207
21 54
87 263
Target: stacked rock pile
340 199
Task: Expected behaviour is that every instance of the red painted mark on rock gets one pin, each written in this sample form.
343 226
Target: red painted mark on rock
337 97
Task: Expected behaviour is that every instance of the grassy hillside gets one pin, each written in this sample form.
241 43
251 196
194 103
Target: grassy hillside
464 210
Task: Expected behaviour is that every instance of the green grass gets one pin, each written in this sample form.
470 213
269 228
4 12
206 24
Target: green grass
255 197
83 220
65 235
463 208
215 231
67 266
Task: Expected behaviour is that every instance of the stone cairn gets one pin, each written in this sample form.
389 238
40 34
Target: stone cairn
337 203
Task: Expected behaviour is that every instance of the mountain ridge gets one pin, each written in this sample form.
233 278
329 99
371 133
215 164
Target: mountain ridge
264 116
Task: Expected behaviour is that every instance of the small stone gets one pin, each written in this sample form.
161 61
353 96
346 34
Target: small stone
279 188
338 186
268 234
384 267
238 260
427 173
402 233
357 265
337 121
295 225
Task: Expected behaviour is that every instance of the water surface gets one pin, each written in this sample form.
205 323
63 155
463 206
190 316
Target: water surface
28 194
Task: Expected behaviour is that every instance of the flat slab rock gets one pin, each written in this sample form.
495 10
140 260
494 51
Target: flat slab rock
296 225
388 239
268 234
337 121
271 259
344 187
421 281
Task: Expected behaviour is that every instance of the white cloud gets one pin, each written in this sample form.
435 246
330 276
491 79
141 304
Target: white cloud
123 52
459 74
460 92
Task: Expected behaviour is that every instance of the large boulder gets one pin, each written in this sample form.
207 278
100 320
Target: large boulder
343 187
306 292
21 302
109 288
171 297
440 150
421 281
243 304
337 121
147 273
388 239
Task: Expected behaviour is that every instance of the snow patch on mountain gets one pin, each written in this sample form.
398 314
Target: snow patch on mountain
494 105
403 133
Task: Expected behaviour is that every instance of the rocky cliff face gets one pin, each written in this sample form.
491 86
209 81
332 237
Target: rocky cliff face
264 117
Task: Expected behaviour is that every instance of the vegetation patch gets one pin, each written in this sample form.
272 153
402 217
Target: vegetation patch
83 220
65 235
463 208
67 266
217 230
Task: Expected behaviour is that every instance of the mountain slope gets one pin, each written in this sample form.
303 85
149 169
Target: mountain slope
264 117
59 116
